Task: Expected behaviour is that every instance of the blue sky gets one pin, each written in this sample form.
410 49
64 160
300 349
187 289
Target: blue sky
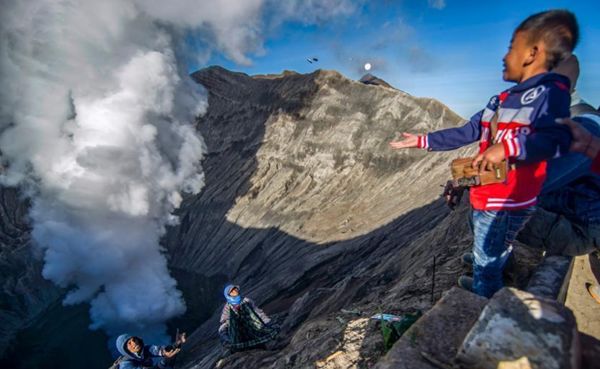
452 52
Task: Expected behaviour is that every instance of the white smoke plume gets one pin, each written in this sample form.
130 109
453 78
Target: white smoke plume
96 113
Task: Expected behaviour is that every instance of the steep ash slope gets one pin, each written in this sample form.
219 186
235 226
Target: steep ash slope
24 293
309 210
305 206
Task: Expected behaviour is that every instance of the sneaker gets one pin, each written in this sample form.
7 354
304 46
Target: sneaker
467 258
466 283
594 291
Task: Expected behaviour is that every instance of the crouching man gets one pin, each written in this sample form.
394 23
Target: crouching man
137 355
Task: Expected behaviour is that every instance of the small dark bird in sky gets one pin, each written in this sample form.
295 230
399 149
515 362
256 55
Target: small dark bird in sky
312 60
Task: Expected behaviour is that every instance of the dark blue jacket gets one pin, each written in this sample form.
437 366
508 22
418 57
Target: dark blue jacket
132 361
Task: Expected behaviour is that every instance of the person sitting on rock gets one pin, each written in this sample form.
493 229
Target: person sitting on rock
567 221
587 143
137 355
243 324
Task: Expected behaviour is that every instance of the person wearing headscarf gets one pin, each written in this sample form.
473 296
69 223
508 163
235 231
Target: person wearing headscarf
243 324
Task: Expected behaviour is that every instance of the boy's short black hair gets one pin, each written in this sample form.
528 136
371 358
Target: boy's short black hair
559 31
137 340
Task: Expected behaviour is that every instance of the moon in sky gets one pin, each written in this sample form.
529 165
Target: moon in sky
368 66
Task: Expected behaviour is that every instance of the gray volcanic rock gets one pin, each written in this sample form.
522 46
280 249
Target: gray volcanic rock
305 206
519 328
421 347
308 208
369 79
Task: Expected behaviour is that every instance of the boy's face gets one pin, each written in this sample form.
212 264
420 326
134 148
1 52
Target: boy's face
520 54
134 345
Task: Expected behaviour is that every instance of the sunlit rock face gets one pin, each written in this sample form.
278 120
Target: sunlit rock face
307 208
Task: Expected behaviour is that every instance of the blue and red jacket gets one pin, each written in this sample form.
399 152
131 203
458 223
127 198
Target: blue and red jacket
529 133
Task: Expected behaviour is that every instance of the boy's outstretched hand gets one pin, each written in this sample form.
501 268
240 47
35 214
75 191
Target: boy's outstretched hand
486 160
180 338
409 141
170 354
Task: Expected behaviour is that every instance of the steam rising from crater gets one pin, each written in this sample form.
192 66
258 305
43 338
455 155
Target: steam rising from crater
96 125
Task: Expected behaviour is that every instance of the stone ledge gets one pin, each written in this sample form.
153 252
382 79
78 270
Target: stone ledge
432 342
521 330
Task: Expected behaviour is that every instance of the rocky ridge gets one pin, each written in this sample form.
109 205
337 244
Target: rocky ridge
310 211
306 207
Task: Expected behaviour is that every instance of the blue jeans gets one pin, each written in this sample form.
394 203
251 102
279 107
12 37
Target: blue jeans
493 235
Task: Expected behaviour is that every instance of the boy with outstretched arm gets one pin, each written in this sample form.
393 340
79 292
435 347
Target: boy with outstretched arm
526 135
